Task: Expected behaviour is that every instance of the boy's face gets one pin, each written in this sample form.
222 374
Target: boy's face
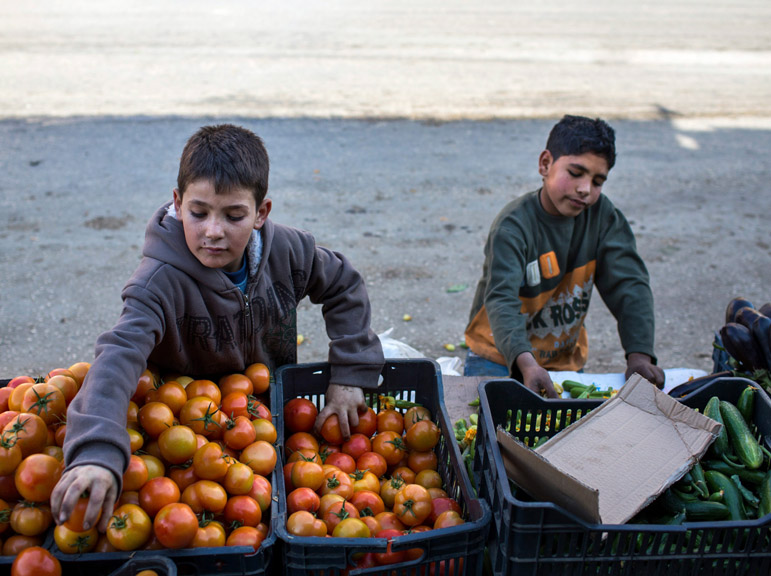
218 226
571 183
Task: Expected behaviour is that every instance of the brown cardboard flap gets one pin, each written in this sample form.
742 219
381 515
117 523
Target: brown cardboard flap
542 481
628 451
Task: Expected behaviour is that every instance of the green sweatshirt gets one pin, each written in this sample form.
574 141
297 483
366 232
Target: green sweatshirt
537 281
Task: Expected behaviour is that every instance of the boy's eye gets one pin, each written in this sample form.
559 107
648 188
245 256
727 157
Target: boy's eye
236 218
573 173
599 183
198 215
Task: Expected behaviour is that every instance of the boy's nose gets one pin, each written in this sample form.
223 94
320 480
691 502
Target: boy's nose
213 229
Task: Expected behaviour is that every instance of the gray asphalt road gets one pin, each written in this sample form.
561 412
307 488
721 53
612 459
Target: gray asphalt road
396 132
408 202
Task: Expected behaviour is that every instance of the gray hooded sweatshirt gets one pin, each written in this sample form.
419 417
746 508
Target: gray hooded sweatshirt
186 318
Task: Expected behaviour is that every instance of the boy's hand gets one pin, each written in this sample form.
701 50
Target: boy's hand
643 365
346 402
101 486
534 376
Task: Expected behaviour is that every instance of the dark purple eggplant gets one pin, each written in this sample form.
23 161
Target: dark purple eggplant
734 306
765 309
746 316
761 332
739 343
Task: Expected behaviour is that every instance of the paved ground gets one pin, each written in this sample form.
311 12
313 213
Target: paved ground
396 132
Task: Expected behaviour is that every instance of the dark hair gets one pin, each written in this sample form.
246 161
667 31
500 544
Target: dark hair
228 156
575 135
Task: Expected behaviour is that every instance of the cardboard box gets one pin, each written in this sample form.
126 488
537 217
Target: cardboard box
610 464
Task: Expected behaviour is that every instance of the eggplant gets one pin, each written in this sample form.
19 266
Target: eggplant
734 306
740 344
761 332
765 309
746 316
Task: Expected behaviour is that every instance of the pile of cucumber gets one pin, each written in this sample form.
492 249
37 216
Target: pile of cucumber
732 481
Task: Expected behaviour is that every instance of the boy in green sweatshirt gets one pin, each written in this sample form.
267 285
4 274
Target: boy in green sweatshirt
545 253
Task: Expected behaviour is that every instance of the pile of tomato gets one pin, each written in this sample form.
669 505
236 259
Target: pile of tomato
382 482
198 476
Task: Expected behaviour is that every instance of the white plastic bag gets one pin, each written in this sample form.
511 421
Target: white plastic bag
393 348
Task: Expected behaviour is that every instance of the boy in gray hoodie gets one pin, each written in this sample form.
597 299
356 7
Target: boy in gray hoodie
217 289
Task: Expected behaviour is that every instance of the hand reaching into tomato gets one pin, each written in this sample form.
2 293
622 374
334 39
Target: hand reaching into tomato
346 402
102 487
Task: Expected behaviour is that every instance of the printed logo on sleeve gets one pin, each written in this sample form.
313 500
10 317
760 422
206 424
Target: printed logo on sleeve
549 266
533 274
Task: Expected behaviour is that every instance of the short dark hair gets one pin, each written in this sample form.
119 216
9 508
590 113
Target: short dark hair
229 156
575 135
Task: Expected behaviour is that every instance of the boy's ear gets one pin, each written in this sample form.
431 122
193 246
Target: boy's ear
545 160
262 213
177 200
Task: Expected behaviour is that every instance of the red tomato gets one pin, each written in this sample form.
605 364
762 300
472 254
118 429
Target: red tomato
239 479
303 523
30 519
130 527
35 561
405 473
351 528
373 462
67 385
300 415
439 505
448 518
345 462
204 388
389 520
412 504
136 474
301 441
147 382
308 474
71 542
389 489
368 503
18 542
330 430
357 445
302 498
205 496
183 476
418 461
235 383
239 433
264 430
36 477
235 404
200 413
422 436
390 420
10 455
30 430
414 415
242 511
390 445
175 525
246 536
367 423
337 512
390 556
261 491
210 462
75 521
171 393
365 480
156 493
258 409
337 482
259 374
177 444
154 418
209 535
260 456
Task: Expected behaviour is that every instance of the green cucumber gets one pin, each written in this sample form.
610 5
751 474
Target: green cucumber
731 497
721 445
697 473
747 475
746 404
743 442
705 511
765 496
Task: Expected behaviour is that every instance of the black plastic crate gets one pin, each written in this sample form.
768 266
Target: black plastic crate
529 537
461 548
